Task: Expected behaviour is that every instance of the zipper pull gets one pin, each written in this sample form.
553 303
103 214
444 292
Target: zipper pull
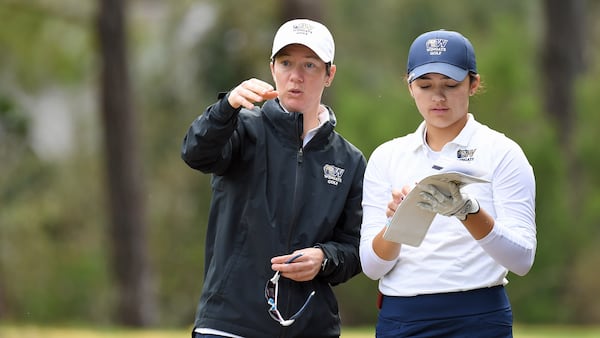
300 155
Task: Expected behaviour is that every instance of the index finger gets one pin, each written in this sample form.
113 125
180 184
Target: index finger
397 195
259 86
285 259
407 188
293 258
270 95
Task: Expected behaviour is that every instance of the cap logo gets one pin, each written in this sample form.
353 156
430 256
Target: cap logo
303 28
436 46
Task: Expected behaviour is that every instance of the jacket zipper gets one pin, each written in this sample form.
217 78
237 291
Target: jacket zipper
298 178
296 198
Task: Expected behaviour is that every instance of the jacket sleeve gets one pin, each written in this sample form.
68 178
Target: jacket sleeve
212 139
341 252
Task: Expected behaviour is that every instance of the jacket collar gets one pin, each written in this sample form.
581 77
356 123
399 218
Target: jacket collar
289 125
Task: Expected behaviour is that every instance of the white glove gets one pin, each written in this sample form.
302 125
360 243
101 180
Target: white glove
457 204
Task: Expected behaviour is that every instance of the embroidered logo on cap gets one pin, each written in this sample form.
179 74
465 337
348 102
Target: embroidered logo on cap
333 174
303 28
436 46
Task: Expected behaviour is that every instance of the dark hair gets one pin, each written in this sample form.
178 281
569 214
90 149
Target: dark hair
472 78
328 68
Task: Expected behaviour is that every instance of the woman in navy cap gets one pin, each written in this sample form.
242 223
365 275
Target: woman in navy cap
452 283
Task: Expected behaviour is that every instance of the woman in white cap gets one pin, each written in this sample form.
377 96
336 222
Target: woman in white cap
285 214
452 283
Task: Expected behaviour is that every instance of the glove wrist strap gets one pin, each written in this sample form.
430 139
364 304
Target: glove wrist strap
471 207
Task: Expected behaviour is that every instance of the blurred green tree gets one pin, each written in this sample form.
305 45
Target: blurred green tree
136 305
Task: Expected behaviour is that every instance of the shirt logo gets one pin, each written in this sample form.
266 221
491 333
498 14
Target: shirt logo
333 174
465 154
436 46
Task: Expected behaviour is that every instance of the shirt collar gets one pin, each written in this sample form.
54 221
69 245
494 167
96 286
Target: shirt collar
465 135
417 139
323 118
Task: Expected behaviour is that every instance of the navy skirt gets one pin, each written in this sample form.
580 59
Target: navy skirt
475 313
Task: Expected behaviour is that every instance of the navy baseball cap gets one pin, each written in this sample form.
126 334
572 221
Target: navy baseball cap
444 52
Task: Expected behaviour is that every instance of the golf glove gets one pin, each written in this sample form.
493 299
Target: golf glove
457 204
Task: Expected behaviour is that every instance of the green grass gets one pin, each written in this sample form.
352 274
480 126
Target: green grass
30 331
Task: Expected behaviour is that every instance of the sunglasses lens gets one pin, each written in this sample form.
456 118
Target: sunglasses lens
275 315
270 290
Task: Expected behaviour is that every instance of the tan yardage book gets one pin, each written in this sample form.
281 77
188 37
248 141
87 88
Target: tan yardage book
410 223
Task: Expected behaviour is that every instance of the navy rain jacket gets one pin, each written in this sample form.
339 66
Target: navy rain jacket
270 197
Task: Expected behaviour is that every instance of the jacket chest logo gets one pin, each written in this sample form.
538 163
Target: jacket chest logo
333 174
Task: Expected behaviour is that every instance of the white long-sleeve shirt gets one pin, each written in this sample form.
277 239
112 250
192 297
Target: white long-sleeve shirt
450 259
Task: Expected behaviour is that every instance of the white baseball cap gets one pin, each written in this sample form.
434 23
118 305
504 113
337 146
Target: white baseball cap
306 32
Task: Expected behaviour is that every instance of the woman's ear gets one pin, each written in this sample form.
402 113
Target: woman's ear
474 84
329 78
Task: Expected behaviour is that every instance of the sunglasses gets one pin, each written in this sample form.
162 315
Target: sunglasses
271 293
